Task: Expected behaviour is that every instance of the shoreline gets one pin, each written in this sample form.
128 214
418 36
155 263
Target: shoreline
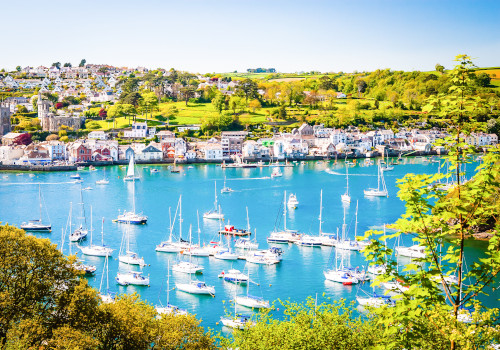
170 161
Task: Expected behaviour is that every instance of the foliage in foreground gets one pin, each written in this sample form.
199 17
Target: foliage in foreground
44 304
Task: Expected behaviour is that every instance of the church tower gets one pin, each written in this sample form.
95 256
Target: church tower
5 114
43 111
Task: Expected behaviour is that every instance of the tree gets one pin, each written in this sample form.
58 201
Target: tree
67 64
171 113
361 86
18 68
103 114
439 68
219 101
327 83
150 102
247 88
438 218
308 326
187 92
23 139
483 80
254 104
57 65
82 63
132 98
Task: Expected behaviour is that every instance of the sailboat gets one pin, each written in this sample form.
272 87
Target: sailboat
131 217
327 239
252 301
187 266
132 277
237 321
340 273
346 198
195 286
103 181
82 231
215 213
286 235
77 265
387 167
378 192
96 250
234 276
345 243
169 308
106 296
377 269
171 246
374 299
131 171
128 256
247 243
203 251
37 224
226 189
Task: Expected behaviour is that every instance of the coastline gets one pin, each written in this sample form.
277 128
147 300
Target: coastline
251 161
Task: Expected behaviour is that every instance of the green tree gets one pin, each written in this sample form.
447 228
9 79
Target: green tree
187 92
57 65
82 63
439 68
18 68
247 88
67 64
219 101
438 218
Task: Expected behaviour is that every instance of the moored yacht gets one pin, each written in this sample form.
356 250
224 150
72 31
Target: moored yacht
196 287
37 224
132 277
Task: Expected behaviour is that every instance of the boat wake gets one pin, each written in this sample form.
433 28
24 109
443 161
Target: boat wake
331 172
252 178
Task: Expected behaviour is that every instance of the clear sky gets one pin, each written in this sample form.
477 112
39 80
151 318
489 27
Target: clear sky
227 35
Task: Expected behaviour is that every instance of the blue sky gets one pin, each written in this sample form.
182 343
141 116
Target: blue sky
227 35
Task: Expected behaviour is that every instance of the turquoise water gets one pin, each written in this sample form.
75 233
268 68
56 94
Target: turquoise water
299 275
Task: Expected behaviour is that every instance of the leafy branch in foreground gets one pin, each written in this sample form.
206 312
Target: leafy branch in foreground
439 220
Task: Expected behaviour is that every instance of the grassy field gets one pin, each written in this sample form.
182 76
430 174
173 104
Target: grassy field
494 73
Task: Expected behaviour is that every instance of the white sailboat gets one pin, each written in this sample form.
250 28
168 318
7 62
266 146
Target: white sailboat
340 273
131 176
215 213
131 217
377 269
236 321
286 235
327 239
78 265
226 189
127 256
198 250
82 231
37 224
96 250
234 276
346 197
347 244
252 301
276 172
247 243
188 266
379 191
106 296
171 246
169 308
103 181
132 277
387 167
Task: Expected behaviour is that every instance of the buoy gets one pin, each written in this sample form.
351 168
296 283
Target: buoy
270 284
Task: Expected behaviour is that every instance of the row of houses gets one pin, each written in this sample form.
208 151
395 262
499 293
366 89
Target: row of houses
301 142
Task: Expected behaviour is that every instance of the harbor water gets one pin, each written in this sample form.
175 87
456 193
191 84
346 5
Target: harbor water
298 276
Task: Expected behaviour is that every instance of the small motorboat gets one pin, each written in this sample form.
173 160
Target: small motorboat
292 203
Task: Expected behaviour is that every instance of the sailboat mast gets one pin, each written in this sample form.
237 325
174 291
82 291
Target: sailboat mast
215 203
379 172
347 178
356 223
320 210
284 208
248 221
170 222
180 217
168 281
40 201
91 226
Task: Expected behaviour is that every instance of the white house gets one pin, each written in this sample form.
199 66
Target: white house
213 151
139 130
97 135
149 153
